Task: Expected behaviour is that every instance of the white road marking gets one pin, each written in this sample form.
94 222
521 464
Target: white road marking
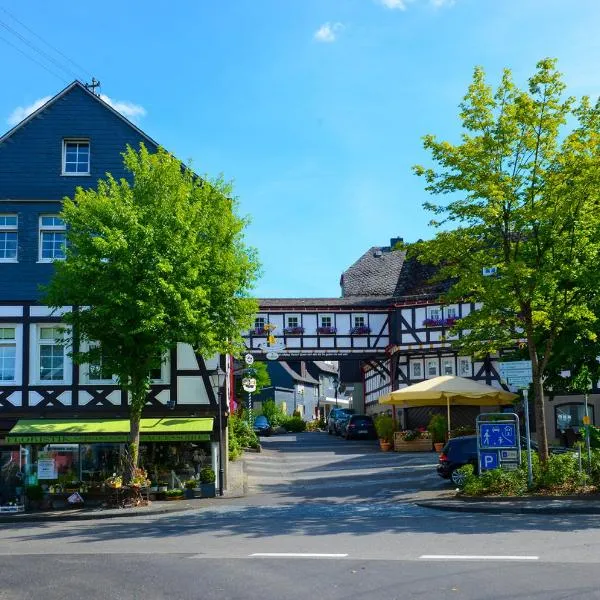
296 555
475 557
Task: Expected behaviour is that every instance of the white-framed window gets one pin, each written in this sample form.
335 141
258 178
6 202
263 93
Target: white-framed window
53 235
434 313
9 235
293 321
451 312
259 323
464 366
447 366
96 368
76 157
416 370
8 354
359 320
326 320
431 365
51 354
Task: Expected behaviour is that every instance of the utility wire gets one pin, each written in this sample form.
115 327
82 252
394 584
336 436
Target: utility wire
34 59
42 53
39 37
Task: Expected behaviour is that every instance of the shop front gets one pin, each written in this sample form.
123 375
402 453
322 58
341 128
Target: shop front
53 462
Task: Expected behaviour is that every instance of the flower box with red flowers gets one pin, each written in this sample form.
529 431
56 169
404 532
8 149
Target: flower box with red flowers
293 330
360 330
440 322
326 330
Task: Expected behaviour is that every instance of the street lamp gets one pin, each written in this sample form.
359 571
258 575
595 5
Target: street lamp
218 381
335 386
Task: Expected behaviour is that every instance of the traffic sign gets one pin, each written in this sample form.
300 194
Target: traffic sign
249 359
488 461
497 435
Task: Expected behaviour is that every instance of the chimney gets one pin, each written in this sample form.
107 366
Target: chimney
395 240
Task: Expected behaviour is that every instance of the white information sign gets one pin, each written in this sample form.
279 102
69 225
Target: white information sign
47 468
249 359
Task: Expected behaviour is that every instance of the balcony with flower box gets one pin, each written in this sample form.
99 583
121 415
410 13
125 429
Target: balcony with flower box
360 330
326 330
448 322
293 330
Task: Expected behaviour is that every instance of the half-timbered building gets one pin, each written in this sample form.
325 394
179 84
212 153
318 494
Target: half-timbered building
45 399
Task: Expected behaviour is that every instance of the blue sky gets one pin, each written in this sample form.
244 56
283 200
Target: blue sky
314 108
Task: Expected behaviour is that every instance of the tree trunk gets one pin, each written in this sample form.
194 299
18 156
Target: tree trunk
540 417
135 414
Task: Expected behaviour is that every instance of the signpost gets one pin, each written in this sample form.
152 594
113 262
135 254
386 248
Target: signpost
518 374
498 444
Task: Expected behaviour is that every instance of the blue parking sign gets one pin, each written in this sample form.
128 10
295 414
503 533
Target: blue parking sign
488 461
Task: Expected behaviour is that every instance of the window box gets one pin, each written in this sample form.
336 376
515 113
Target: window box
326 330
258 331
360 330
293 330
449 322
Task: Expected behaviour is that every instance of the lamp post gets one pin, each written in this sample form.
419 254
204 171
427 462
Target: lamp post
219 382
335 386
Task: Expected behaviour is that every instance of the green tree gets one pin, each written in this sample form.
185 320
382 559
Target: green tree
150 264
521 194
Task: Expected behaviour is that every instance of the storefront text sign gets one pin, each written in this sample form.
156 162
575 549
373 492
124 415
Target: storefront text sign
47 468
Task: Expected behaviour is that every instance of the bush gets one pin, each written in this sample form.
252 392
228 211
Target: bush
274 413
495 482
296 413
313 425
385 426
207 475
438 428
243 432
294 425
34 492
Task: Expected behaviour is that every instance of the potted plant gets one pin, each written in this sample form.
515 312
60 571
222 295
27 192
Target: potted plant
438 428
174 494
384 425
207 482
191 485
412 440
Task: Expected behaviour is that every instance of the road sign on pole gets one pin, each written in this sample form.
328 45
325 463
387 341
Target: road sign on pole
498 442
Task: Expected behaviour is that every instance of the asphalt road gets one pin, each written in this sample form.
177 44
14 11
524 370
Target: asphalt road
325 517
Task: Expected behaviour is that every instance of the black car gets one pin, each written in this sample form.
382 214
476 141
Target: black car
262 426
359 426
334 416
461 451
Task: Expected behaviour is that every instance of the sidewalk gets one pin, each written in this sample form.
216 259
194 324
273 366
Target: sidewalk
237 488
546 505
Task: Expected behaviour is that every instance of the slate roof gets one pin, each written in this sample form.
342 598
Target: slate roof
324 303
375 273
296 376
325 367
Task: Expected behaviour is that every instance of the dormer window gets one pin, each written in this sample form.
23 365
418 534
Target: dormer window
76 157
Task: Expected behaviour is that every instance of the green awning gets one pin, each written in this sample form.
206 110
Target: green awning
56 431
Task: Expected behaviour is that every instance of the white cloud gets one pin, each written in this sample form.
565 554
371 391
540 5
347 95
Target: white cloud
127 109
442 3
19 113
394 4
328 32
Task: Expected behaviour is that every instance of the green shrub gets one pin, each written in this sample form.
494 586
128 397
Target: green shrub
385 427
560 470
294 425
296 413
207 475
235 450
495 482
274 413
438 428
34 492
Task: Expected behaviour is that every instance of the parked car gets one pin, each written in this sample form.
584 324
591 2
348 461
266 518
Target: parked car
335 414
262 426
461 451
359 426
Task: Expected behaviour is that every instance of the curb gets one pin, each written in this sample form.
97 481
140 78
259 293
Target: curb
522 509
